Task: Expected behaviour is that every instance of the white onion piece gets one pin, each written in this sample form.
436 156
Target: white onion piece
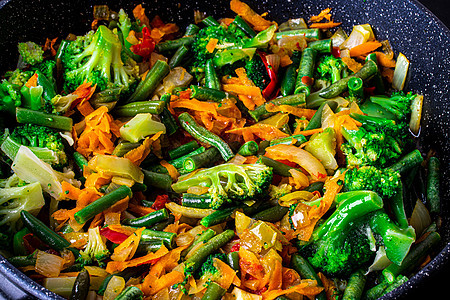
380 262
400 72
420 218
297 43
416 114
274 61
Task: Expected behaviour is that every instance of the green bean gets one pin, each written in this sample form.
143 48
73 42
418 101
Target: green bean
22 261
433 197
139 107
202 238
211 78
322 46
19 243
377 79
355 286
152 246
162 225
278 167
398 208
315 186
48 87
272 214
208 94
217 217
178 56
233 261
149 235
178 162
168 121
191 29
81 286
306 72
355 88
149 219
214 292
290 77
316 120
203 135
148 85
407 162
249 148
197 201
368 70
174 44
130 293
212 245
299 139
313 33
124 147
210 21
158 180
183 149
261 112
99 205
24 115
239 22
306 271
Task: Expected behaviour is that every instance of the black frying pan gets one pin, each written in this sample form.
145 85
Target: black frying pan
409 27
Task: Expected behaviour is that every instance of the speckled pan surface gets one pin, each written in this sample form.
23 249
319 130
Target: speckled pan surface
409 27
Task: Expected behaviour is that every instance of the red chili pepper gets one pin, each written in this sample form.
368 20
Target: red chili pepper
160 202
336 52
146 46
270 88
113 236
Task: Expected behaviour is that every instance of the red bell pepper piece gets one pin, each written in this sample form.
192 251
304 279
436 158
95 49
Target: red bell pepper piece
146 46
113 236
160 202
270 88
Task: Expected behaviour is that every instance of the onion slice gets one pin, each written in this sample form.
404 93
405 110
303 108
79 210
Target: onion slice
400 72
416 114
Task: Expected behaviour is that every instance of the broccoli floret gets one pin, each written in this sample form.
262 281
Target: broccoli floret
229 182
207 269
378 142
97 58
31 52
47 68
9 97
46 143
384 182
18 77
95 249
330 68
398 104
14 199
256 71
276 192
348 238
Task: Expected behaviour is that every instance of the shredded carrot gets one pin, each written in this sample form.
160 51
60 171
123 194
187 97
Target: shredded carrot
247 101
306 287
139 14
227 274
326 25
127 249
308 132
252 91
211 45
324 14
262 131
285 60
328 285
249 15
352 64
117 266
365 48
173 172
388 74
385 60
196 105
137 155
153 284
32 81
49 45
296 111
69 191
139 209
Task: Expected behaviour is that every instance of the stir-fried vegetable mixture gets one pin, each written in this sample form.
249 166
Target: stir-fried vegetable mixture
236 159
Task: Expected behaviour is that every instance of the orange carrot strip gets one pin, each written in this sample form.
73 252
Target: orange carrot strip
385 60
263 131
139 14
322 15
195 105
117 266
127 248
211 45
249 15
309 132
173 172
365 48
296 111
352 64
306 287
247 101
326 25
138 154
32 81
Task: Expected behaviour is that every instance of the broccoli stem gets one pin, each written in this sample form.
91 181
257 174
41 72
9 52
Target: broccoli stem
249 148
183 149
149 235
196 201
140 107
261 112
272 214
306 271
239 22
205 136
45 234
211 79
305 72
355 88
313 33
203 238
211 246
316 120
214 292
208 94
322 46
174 44
147 86
178 56
158 180
355 286
81 286
149 219
25 116
217 217
407 162
368 70
105 202
204 159
433 175
290 77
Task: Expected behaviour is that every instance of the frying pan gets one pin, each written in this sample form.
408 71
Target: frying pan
408 25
